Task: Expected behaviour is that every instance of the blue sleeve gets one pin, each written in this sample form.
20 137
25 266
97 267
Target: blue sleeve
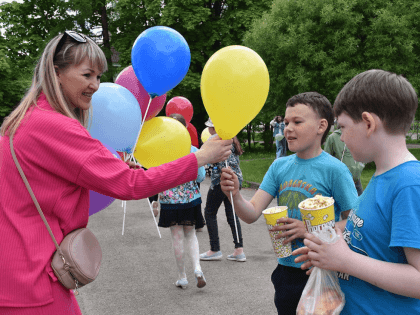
269 183
343 190
201 174
201 170
405 222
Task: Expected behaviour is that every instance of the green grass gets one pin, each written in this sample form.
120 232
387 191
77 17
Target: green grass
366 176
412 141
254 171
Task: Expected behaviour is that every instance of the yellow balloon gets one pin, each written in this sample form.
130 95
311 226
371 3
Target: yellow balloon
162 140
234 88
205 135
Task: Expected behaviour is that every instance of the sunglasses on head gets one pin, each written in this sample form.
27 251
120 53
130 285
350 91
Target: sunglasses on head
72 34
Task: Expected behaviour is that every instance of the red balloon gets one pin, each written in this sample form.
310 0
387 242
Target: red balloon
180 105
127 78
193 134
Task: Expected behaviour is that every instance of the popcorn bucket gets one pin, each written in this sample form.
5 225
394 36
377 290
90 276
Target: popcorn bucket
317 213
271 215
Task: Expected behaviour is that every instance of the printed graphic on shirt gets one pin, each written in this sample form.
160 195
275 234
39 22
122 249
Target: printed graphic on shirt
291 193
357 224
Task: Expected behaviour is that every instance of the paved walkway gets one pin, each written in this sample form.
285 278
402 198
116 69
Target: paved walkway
138 270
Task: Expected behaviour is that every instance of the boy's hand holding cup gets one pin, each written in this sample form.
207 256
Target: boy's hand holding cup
281 248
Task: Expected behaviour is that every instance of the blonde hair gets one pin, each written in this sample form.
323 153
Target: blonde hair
45 80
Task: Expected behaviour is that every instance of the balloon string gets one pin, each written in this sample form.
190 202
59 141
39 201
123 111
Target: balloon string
130 157
151 209
125 207
141 126
233 209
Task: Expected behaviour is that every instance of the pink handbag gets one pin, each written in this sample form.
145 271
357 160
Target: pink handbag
78 258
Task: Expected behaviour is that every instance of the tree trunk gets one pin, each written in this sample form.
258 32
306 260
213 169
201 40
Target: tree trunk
106 40
253 134
248 131
267 136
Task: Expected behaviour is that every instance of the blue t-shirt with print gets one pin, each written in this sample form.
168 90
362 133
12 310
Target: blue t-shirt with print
385 219
293 180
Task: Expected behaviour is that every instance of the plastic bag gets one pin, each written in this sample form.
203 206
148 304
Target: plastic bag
322 294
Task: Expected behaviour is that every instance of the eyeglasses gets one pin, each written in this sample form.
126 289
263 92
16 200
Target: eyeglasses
74 35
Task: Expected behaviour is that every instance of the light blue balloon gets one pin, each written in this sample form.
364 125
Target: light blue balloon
116 117
161 59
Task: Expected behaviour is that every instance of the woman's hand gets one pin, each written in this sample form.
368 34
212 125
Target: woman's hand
132 165
214 150
229 182
292 229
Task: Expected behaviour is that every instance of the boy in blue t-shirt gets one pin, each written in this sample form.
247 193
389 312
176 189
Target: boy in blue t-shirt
309 172
378 254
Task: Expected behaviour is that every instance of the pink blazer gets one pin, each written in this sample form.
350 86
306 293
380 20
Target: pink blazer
62 163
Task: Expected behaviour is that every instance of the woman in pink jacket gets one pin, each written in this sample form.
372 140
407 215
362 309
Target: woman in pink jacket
62 162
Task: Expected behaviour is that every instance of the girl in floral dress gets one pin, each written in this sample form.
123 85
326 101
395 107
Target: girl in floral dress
181 212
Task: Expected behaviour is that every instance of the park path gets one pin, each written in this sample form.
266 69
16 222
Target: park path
138 270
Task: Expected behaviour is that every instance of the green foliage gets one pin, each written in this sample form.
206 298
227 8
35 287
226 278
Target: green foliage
207 27
414 132
28 27
319 45
366 176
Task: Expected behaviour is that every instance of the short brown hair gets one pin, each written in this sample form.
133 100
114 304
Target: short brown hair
179 117
319 103
388 95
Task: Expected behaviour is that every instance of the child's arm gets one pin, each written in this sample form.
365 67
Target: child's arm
273 122
201 170
201 174
342 224
248 211
402 279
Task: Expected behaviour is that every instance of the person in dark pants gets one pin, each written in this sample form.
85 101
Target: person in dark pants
284 147
215 198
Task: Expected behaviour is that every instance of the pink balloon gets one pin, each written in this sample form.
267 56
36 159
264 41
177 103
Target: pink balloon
127 78
180 105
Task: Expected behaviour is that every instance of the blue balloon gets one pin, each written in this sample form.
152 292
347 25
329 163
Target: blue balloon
116 117
160 58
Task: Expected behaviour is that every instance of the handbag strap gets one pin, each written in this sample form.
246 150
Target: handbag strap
32 195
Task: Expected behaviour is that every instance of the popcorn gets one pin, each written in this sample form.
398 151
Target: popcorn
271 216
330 302
280 249
273 210
317 202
